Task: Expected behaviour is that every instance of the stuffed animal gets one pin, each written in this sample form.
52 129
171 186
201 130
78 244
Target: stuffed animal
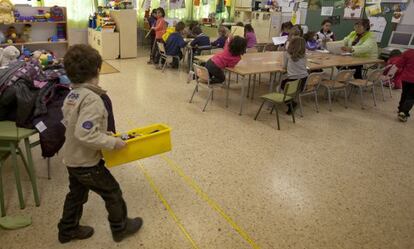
8 55
6 12
27 33
56 14
11 35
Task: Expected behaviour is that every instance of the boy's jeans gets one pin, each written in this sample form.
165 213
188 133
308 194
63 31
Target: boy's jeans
99 180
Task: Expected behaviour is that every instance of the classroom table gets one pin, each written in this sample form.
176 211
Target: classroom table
272 62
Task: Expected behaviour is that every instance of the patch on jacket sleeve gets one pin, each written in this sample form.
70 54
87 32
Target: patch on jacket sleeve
87 125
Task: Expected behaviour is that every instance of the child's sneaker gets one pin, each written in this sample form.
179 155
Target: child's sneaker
402 117
83 232
132 226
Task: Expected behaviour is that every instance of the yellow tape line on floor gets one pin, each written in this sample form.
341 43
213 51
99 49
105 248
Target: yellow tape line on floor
191 183
167 206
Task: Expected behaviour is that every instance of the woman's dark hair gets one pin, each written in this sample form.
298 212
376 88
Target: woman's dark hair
196 30
154 11
364 23
287 25
82 63
297 48
309 36
395 52
248 28
238 46
179 26
326 21
162 11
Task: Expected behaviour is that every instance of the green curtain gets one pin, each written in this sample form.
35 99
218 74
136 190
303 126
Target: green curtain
78 13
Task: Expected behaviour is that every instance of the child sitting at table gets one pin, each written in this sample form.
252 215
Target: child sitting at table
200 42
294 62
175 43
250 36
229 57
325 34
286 26
311 42
221 41
294 32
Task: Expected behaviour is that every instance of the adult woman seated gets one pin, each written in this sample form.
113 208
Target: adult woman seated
361 43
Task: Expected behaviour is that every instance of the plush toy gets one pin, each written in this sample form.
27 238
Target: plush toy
11 35
6 12
27 33
56 14
8 55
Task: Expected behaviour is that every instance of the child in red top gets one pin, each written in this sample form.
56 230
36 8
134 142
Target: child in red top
392 74
159 28
406 65
229 57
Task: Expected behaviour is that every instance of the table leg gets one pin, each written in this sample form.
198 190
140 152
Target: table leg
254 85
228 90
242 97
17 174
32 173
248 85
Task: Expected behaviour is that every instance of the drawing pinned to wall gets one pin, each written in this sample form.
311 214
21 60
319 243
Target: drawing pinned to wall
373 2
315 4
373 10
398 12
378 25
353 9
176 4
327 11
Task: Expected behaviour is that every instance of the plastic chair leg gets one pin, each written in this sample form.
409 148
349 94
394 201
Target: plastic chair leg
316 102
293 112
329 100
382 91
17 175
192 96
208 99
277 118
258 112
32 173
373 95
2 208
300 106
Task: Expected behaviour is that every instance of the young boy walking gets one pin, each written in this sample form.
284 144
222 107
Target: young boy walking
86 121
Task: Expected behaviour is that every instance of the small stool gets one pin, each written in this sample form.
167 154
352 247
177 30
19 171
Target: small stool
10 136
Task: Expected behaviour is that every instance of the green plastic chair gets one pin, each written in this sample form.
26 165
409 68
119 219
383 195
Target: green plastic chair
287 97
10 136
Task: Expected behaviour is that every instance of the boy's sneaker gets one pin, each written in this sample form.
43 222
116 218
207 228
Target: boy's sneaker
132 226
83 232
402 117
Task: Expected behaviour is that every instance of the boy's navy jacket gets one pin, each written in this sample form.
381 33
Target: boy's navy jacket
219 43
174 44
201 41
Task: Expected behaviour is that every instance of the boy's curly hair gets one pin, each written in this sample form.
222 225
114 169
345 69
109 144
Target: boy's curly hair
82 63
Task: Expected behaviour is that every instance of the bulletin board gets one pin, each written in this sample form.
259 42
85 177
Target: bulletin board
314 20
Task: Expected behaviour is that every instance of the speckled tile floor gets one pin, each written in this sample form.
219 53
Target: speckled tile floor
341 179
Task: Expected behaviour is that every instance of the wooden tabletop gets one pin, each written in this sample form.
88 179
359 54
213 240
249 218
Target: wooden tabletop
268 62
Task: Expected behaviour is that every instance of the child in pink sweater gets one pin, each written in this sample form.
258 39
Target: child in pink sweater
229 57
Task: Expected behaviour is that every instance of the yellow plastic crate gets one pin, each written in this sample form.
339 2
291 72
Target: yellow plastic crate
149 141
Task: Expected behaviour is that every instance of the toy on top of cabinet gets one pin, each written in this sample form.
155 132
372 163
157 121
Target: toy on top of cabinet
6 12
56 14
26 35
11 35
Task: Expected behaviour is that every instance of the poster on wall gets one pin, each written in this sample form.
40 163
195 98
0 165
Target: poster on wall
353 9
373 10
327 11
398 12
378 25
176 4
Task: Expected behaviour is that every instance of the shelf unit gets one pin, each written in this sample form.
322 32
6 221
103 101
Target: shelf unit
41 32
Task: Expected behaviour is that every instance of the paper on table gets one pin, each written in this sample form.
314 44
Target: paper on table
327 11
279 40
